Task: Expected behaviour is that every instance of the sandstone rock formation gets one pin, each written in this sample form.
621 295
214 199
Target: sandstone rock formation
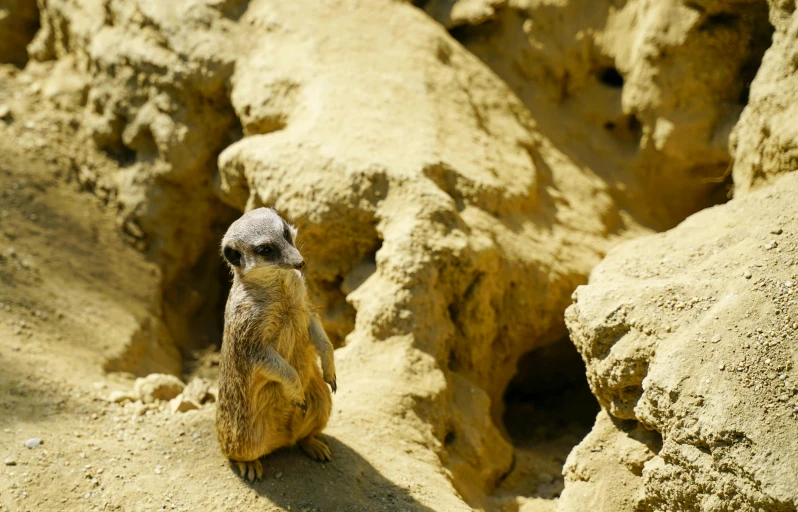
765 141
642 93
690 334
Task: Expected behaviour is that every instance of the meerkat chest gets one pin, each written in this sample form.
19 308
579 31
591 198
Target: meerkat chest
288 323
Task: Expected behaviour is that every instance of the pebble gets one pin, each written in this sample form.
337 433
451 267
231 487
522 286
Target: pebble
776 231
120 396
182 404
4 111
747 274
716 338
10 461
278 474
158 470
156 387
33 442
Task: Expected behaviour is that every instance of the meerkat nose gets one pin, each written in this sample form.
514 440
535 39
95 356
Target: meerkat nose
300 265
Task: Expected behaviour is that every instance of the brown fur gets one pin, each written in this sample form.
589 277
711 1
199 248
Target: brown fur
269 322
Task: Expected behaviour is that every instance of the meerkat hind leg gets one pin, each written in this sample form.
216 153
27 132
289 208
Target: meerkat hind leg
315 448
250 470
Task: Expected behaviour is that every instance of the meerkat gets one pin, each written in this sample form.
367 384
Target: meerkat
272 392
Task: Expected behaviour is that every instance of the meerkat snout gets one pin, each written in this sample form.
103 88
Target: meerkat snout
261 239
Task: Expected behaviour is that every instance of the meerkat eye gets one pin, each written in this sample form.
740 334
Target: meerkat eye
232 256
263 250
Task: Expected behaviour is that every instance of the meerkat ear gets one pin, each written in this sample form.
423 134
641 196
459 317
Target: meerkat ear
232 256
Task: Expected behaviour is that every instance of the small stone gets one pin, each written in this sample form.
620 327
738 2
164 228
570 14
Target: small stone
87 496
120 396
157 386
767 361
5 112
776 231
199 390
716 338
10 461
158 469
788 284
721 366
182 404
33 442
747 274
279 474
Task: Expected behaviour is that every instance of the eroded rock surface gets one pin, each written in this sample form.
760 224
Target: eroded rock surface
643 93
691 334
765 141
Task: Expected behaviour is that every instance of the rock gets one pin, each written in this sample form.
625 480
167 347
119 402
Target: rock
10 461
33 442
716 427
765 140
182 404
157 386
199 391
686 130
121 396
610 457
5 112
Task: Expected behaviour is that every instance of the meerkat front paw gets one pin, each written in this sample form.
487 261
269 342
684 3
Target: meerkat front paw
332 382
250 470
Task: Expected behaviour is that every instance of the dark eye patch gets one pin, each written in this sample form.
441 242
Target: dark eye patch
264 249
287 235
232 256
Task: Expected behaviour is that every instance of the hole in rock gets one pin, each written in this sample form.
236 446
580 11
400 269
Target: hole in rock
549 409
201 357
610 77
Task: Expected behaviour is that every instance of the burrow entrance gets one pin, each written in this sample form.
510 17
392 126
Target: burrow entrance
549 409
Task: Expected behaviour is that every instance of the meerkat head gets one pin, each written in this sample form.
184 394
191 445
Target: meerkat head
261 241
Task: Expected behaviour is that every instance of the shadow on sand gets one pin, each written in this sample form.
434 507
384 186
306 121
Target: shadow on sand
347 483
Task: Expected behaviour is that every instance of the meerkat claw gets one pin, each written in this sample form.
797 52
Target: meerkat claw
302 405
316 449
333 385
250 470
